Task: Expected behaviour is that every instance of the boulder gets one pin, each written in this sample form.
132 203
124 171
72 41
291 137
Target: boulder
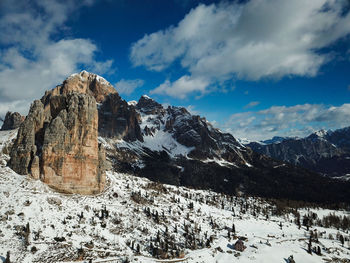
239 246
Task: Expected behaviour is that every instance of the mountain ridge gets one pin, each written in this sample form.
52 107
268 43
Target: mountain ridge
325 152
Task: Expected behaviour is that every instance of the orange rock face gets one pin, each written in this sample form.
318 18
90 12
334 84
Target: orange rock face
58 141
70 153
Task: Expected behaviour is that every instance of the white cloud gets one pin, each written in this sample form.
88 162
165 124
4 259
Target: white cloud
33 58
252 104
298 120
128 86
251 40
181 87
20 106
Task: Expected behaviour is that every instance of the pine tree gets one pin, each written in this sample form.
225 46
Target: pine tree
7 260
309 246
26 235
138 248
319 250
158 236
341 239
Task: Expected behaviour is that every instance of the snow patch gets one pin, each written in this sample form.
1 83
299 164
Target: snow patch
132 103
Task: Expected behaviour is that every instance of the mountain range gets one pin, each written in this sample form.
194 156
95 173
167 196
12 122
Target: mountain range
325 152
84 123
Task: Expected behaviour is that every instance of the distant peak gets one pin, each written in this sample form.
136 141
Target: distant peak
146 97
321 133
148 105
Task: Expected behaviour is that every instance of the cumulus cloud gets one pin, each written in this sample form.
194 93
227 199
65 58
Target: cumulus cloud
33 57
298 120
127 87
181 87
250 40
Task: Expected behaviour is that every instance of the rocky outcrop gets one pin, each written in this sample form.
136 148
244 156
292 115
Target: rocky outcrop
58 142
149 106
12 121
30 132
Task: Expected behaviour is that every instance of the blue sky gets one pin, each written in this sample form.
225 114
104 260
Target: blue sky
254 68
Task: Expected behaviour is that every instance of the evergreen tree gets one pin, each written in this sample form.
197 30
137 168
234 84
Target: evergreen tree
7 260
309 246
341 239
319 250
138 249
26 235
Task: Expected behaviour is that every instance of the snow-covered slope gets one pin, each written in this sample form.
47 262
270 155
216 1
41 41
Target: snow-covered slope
52 217
134 214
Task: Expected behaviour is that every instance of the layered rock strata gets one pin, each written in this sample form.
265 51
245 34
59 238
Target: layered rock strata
58 141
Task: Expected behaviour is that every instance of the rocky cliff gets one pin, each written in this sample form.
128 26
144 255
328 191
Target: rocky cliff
58 141
12 121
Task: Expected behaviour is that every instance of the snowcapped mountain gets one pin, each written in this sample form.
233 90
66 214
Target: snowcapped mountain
276 139
176 189
325 152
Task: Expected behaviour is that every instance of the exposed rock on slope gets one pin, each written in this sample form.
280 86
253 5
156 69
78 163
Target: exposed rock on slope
12 121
